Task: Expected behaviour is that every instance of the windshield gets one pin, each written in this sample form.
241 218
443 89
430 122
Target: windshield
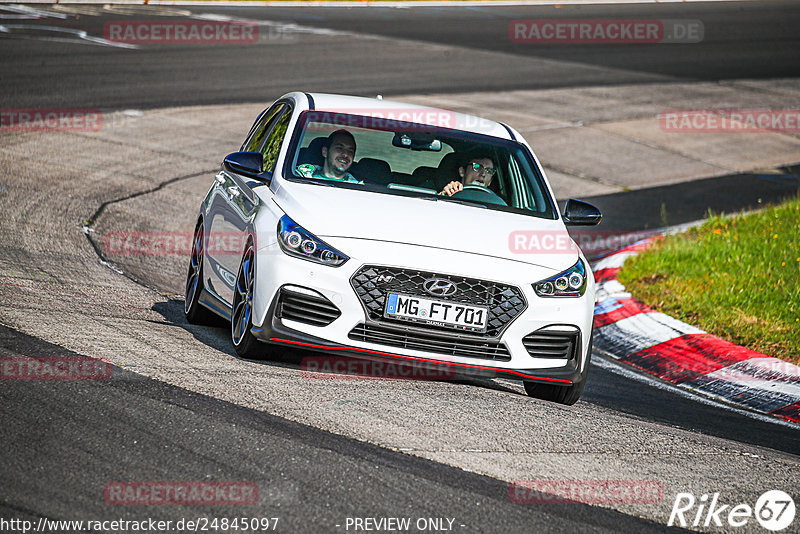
401 158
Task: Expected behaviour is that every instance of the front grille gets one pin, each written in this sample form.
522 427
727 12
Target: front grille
309 309
543 344
440 343
371 283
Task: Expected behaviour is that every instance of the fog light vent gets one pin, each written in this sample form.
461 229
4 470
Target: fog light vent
306 307
547 344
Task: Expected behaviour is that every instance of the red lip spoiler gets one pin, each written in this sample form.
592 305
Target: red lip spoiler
413 358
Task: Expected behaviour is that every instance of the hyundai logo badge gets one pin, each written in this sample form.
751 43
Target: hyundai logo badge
439 287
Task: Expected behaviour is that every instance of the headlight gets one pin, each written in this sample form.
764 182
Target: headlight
298 242
570 283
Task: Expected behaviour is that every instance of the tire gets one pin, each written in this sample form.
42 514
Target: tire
568 395
244 342
195 312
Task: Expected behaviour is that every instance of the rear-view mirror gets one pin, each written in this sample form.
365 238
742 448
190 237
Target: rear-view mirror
417 141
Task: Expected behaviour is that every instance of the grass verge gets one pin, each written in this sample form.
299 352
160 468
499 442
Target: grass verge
736 277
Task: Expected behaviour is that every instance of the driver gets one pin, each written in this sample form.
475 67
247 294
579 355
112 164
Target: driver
478 169
337 154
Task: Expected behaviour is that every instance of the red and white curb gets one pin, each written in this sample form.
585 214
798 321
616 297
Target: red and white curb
685 356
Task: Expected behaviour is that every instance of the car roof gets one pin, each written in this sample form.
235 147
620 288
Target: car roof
390 109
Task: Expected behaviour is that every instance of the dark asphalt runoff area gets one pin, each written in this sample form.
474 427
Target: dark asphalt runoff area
670 205
64 441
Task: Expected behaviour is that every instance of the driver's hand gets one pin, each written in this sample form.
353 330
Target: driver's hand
452 188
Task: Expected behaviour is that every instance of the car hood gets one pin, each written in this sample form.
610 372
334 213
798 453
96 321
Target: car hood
330 212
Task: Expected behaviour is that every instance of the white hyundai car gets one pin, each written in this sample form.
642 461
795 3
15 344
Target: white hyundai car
383 230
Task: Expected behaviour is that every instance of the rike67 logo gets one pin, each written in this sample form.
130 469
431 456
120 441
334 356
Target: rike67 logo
774 510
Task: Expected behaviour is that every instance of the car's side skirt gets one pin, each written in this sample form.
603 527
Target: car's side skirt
214 303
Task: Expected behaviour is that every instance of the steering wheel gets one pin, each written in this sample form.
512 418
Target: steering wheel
479 193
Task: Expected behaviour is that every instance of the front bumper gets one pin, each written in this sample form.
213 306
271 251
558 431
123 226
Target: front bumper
279 334
275 270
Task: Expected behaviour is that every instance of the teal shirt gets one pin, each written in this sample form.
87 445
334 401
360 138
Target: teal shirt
308 170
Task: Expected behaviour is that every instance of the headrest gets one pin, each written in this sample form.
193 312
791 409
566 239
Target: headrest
373 171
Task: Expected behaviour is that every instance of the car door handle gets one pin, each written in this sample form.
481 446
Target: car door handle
233 191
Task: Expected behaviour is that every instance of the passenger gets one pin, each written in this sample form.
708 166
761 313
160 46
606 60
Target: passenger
478 169
337 154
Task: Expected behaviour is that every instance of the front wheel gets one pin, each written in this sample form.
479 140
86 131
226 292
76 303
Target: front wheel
568 395
245 343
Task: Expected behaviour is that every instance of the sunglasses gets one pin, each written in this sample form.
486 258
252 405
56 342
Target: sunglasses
477 167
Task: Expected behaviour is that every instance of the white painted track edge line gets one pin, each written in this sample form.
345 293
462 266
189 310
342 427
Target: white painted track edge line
611 364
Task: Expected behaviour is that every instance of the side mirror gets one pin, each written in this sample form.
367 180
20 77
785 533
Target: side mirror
579 213
246 163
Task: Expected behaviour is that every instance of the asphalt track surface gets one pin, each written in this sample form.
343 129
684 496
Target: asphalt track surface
741 40
310 479
66 441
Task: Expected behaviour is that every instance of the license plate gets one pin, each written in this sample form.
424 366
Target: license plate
436 312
